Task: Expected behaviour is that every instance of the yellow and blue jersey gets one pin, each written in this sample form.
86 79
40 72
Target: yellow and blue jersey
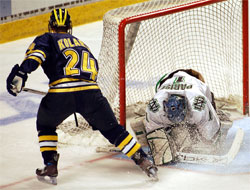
66 60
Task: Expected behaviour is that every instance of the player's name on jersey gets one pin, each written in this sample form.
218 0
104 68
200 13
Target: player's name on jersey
70 42
177 86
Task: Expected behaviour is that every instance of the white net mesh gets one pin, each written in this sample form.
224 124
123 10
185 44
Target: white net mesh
207 39
81 135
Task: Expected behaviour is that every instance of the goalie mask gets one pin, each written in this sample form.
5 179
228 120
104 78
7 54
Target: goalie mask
176 108
60 21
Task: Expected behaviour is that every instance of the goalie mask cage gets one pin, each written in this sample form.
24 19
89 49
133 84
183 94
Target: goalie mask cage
142 42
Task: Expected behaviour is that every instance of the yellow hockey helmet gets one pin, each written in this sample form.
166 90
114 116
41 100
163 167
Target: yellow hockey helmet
60 19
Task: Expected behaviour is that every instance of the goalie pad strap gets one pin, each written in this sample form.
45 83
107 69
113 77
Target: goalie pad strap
138 127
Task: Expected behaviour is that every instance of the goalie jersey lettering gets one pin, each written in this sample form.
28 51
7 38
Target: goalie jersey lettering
200 110
66 60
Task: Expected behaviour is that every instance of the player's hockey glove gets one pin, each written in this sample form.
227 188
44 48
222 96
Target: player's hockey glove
16 80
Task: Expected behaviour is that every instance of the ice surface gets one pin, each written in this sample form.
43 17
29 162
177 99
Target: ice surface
79 166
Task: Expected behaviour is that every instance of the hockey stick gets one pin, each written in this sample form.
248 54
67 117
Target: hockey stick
34 91
44 93
214 159
201 158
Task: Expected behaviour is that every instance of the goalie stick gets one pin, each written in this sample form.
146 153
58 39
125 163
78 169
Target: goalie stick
44 93
200 158
214 159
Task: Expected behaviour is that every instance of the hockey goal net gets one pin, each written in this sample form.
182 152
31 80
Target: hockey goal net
144 41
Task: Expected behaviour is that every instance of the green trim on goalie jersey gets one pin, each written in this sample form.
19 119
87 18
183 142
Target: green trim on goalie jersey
158 83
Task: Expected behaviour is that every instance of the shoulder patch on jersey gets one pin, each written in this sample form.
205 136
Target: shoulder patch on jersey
153 105
199 103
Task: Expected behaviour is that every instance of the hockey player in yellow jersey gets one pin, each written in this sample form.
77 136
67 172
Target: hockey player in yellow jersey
72 71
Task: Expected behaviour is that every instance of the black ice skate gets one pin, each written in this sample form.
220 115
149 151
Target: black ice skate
49 173
143 161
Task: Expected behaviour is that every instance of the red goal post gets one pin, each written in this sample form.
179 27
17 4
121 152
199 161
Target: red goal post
225 45
245 39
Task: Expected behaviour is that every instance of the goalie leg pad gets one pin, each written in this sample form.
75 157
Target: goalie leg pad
162 146
138 127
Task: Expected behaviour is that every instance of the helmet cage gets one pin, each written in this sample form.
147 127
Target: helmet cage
176 108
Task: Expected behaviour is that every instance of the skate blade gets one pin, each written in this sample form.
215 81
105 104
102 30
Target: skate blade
47 179
153 174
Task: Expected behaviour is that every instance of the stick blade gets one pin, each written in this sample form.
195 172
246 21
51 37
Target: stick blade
214 159
235 148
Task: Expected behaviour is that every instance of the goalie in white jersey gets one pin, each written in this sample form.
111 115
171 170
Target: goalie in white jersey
180 117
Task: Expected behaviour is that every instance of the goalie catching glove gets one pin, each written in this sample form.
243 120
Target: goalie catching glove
16 80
